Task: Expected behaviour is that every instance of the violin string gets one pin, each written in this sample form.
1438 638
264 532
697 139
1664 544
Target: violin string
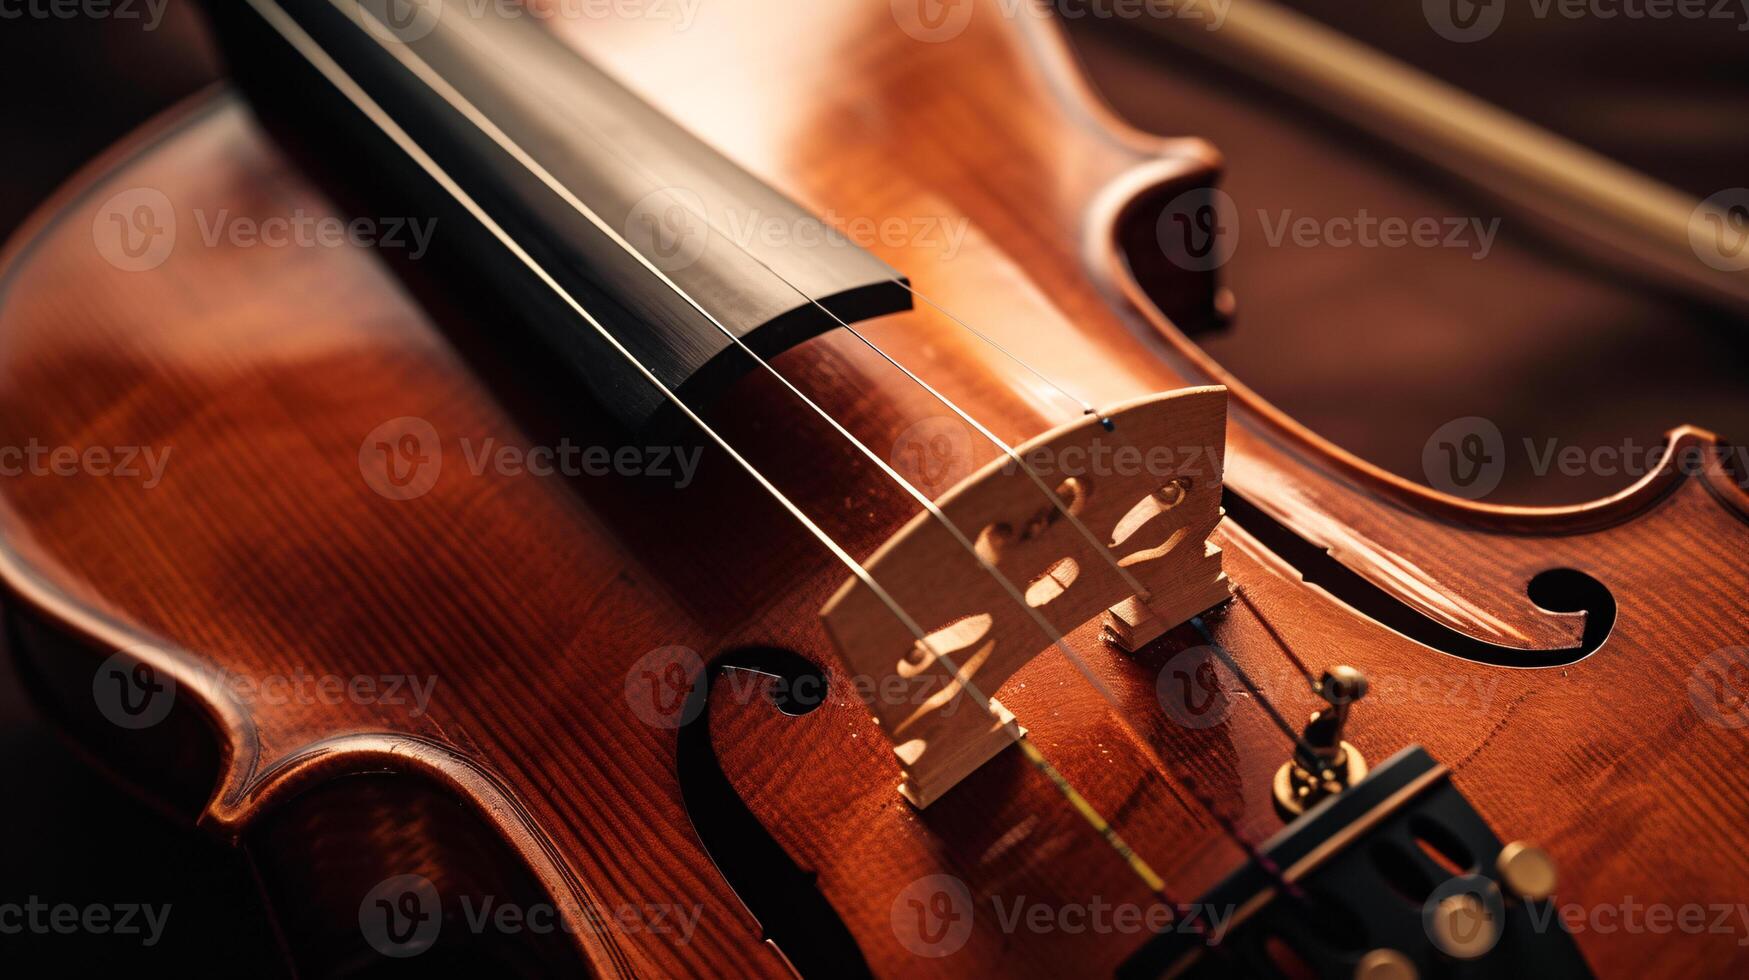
1274 635
1262 698
1086 406
1135 585
312 51
1187 780
1226 656
1263 701
463 105
440 85
466 107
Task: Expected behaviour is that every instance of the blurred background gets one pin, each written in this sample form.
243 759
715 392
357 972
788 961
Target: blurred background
1374 349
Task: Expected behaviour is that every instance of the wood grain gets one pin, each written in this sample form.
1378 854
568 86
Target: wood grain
1140 493
542 606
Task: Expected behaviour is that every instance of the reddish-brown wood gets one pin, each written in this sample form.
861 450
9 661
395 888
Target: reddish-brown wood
265 550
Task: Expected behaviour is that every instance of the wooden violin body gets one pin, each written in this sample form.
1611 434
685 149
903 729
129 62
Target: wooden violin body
529 603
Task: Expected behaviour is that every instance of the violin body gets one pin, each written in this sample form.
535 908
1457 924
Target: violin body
281 541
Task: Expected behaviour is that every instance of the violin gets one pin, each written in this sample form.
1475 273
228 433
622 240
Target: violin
733 490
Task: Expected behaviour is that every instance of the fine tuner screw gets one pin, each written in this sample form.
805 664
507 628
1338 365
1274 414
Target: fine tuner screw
1323 764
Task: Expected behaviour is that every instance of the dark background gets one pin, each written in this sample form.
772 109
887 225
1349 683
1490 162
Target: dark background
1668 97
71 88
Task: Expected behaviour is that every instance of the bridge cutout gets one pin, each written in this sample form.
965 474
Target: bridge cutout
1149 491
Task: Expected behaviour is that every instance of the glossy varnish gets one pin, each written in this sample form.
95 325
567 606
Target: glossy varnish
265 549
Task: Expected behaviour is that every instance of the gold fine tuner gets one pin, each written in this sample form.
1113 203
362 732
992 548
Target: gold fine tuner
1323 764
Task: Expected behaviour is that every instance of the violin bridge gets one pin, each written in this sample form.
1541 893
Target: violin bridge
1144 492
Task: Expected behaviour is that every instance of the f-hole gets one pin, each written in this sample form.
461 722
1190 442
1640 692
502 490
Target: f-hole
1556 590
781 896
